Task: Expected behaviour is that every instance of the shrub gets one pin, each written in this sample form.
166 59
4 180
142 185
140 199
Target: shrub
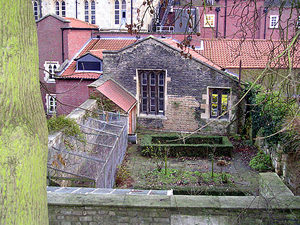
122 175
65 125
261 162
220 145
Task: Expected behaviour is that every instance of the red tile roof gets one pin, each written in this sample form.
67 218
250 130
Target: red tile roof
193 53
117 94
75 23
255 54
95 47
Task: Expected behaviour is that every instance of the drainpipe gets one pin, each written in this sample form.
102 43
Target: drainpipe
225 18
217 24
265 28
62 46
76 9
131 16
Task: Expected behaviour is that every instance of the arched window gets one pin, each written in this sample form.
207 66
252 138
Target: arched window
117 12
93 12
35 10
57 8
63 9
86 11
123 11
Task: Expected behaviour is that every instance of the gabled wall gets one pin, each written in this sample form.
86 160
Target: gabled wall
187 81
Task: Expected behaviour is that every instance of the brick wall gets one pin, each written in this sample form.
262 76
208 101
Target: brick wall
75 40
72 92
187 81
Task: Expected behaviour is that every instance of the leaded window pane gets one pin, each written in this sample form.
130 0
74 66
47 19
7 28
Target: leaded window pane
152 92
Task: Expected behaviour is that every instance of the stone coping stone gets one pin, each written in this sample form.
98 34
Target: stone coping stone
179 201
272 186
79 190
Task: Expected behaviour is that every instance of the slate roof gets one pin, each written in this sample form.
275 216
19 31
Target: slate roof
95 47
117 94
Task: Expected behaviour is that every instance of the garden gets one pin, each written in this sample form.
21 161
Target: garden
196 165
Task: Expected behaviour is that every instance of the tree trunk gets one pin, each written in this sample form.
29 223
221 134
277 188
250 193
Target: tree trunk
23 131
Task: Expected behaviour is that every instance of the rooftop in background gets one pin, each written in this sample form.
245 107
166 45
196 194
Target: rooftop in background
254 54
72 22
95 47
75 23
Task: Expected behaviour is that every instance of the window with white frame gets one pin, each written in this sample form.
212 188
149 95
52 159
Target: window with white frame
51 104
218 102
50 68
152 91
274 21
209 20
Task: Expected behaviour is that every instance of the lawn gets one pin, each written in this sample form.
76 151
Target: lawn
191 175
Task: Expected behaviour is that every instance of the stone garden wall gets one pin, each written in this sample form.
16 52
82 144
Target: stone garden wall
275 205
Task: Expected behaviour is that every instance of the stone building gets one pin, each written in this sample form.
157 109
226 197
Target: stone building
172 92
108 15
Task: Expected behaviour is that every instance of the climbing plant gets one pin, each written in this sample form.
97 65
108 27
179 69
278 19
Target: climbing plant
270 116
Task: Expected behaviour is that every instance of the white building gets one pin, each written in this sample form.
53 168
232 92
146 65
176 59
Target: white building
110 15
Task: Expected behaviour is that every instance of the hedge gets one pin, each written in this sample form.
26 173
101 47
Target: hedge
223 146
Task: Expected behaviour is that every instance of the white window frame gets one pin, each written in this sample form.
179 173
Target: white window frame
206 21
272 25
48 102
47 70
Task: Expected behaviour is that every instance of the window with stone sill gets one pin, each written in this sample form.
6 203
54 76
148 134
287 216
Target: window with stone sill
274 21
209 20
152 92
218 102
51 104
